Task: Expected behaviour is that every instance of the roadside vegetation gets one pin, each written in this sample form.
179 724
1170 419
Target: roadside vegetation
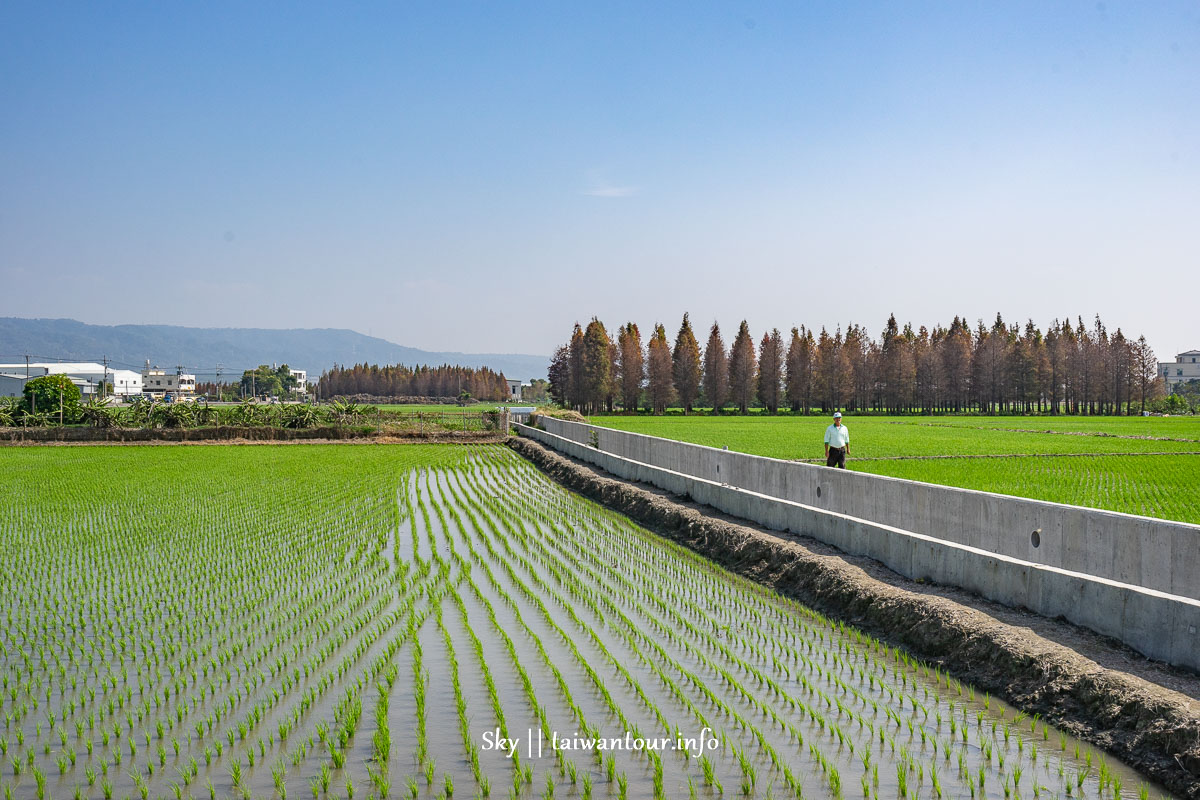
144 413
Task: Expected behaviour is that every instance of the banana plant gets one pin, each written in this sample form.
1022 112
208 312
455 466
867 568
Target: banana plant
99 414
203 413
8 414
172 415
299 416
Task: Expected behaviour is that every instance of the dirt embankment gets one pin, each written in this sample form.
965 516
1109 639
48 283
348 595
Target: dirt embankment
228 434
1145 714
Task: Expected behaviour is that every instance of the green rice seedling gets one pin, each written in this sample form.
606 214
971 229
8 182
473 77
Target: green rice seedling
721 651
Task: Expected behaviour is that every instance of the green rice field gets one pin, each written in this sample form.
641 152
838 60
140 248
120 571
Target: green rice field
431 408
1138 465
438 621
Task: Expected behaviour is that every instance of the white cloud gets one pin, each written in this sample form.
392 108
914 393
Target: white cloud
612 191
600 186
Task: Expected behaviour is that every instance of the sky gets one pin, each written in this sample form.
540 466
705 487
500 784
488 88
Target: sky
480 176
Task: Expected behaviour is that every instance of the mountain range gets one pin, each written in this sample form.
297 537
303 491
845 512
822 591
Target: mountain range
200 350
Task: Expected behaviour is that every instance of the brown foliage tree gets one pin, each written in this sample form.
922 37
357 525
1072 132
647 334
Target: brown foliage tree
800 370
575 381
659 369
770 370
423 381
632 365
686 365
742 369
716 370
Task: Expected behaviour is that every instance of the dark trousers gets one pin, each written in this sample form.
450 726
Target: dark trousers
837 458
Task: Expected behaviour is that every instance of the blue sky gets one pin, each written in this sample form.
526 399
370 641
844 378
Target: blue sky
478 177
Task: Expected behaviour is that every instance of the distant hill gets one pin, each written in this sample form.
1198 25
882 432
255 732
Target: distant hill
236 349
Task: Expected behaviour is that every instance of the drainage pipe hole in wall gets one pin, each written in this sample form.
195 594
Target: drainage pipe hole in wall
1035 538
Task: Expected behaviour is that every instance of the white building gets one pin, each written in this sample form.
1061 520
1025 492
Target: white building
158 382
301 377
12 384
1185 367
88 375
514 391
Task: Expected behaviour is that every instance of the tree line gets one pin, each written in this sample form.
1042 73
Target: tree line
1001 368
393 381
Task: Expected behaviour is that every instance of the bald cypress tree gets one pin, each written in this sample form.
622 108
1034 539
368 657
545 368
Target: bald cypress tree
560 375
685 364
660 371
596 372
742 369
716 370
770 370
956 356
1145 370
614 375
632 365
832 369
799 370
575 372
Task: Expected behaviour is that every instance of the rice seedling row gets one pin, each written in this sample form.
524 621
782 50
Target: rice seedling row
167 632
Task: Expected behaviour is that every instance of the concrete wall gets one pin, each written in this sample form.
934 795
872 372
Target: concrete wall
1159 624
1151 553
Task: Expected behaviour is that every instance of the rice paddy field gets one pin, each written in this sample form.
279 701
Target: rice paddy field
1137 465
437 407
436 621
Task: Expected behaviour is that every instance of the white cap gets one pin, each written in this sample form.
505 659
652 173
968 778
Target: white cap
837 415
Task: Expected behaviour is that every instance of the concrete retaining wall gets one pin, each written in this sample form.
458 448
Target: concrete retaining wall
1151 553
1159 624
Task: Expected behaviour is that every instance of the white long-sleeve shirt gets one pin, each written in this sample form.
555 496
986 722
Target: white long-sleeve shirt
837 436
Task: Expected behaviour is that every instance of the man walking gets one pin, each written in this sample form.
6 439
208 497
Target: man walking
837 443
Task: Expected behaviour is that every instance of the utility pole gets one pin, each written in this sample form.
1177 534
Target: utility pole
27 366
218 382
104 385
